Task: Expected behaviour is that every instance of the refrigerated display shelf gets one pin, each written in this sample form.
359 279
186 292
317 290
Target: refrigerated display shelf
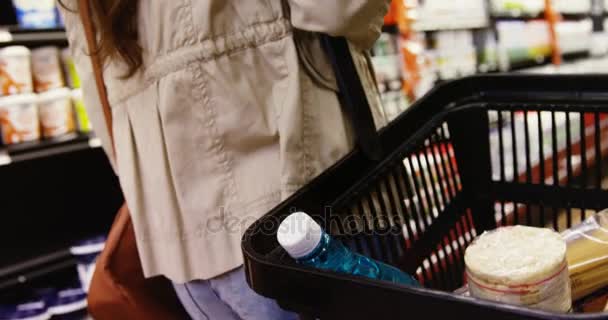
523 66
451 24
530 63
516 15
48 147
392 29
572 56
26 271
10 36
576 16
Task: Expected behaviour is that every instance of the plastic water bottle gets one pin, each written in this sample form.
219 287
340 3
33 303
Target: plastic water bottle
308 244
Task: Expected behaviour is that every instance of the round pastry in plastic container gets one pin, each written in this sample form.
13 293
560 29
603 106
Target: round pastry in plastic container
520 265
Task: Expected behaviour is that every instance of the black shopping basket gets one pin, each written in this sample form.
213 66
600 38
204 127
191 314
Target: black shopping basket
472 155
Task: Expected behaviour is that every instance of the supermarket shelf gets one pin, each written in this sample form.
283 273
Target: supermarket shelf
33 37
25 271
526 64
575 63
392 29
572 56
450 24
47 148
515 15
530 64
576 16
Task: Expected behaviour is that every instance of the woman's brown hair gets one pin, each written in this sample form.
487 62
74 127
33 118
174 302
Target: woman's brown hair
116 23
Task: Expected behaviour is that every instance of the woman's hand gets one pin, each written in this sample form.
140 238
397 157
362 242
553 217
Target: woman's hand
360 21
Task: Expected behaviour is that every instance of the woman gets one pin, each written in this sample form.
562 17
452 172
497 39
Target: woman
221 110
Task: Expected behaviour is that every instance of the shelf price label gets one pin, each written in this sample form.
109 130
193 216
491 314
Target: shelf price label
5 36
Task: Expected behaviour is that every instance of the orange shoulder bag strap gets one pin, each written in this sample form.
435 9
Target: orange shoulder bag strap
119 289
89 31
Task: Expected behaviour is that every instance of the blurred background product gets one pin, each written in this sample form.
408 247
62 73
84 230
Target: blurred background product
69 69
47 69
588 255
439 40
84 125
15 70
517 8
19 118
36 13
86 253
56 112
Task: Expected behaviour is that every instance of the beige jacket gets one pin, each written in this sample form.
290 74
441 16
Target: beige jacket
225 119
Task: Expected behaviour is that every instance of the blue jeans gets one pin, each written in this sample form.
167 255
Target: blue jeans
227 297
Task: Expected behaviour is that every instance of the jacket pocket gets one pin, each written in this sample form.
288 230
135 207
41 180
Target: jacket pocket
247 91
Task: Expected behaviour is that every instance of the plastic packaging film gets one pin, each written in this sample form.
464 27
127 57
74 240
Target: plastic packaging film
520 266
587 255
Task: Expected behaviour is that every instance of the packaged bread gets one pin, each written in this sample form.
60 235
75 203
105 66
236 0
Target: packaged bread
56 116
46 69
15 71
520 265
588 255
592 303
19 118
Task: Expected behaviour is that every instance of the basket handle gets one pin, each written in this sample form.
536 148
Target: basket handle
352 95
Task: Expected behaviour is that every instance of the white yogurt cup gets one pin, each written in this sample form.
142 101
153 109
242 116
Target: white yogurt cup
46 69
15 71
56 113
19 118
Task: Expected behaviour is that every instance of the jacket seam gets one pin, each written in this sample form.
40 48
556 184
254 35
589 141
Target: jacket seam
285 67
185 15
217 145
242 31
307 126
207 50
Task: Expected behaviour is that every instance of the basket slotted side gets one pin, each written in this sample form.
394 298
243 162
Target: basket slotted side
413 215
421 207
